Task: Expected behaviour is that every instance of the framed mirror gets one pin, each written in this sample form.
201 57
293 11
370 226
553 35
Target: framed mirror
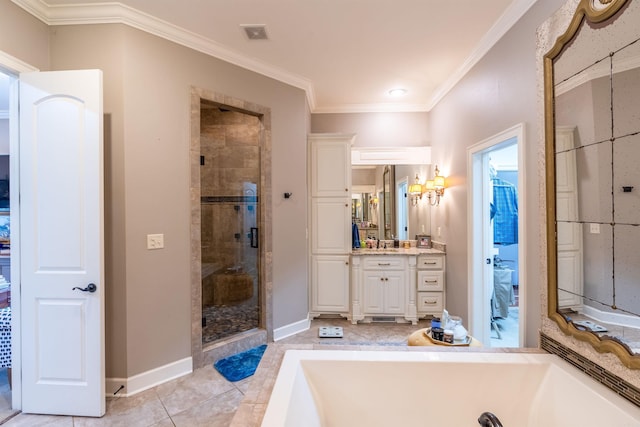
592 133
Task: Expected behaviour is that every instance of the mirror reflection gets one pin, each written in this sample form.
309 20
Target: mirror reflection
380 206
596 89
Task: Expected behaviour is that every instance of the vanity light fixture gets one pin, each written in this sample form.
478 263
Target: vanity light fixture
435 188
415 191
373 202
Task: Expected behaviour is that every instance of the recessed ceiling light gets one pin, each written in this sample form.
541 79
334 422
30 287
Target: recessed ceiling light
397 92
255 32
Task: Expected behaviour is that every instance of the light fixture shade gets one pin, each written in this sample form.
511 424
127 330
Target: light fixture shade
438 181
415 189
430 186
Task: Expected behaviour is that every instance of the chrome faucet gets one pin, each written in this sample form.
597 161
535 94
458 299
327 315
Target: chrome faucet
487 419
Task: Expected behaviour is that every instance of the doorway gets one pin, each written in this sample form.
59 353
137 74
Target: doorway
229 194
6 410
403 210
496 247
231 233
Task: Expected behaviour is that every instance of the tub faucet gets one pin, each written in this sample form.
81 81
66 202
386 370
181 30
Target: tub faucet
487 419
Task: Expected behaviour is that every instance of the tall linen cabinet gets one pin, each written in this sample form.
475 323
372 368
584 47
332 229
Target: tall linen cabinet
330 241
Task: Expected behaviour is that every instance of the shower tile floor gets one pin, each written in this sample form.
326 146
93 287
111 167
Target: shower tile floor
206 398
224 321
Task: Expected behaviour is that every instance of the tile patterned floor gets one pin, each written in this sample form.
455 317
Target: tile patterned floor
205 398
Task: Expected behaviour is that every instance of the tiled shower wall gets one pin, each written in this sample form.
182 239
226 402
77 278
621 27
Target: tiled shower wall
229 156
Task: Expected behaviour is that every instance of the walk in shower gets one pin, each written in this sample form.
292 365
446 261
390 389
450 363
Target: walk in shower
229 230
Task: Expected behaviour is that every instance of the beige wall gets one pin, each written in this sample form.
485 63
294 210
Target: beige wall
147 84
23 36
498 93
377 129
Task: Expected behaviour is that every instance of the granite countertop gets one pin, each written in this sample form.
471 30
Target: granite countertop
396 251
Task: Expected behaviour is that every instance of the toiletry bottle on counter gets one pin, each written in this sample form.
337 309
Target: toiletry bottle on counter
437 334
435 322
447 336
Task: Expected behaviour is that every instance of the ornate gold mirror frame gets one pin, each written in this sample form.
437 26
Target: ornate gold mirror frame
597 12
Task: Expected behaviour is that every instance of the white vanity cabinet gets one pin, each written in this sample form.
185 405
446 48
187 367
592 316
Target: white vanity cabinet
330 165
330 225
430 284
330 284
383 286
329 182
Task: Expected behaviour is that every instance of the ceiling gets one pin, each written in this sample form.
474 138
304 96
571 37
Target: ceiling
345 54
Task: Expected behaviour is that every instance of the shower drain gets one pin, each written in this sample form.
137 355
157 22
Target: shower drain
330 332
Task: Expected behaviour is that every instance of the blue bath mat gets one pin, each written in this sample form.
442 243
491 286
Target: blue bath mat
241 365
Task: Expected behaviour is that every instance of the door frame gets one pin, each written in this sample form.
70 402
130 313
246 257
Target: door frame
478 288
13 67
203 355
402 207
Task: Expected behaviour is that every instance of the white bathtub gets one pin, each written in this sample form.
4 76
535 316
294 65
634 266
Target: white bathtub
405 388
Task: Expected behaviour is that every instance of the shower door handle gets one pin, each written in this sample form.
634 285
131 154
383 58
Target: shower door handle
254 237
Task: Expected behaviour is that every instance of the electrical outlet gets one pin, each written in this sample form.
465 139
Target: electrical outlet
155 241
594 228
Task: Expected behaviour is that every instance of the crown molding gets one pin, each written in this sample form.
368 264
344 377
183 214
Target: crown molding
112 13
117 13
514 12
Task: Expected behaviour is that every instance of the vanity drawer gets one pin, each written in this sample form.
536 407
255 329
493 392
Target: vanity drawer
430 302
387 263
430 262
430 280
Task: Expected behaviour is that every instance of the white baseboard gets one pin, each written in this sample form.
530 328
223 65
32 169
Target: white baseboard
291 329
149 379
611 318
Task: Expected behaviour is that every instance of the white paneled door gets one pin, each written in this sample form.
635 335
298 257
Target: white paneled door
61 235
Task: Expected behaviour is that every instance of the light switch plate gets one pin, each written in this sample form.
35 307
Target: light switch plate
155 241
594 228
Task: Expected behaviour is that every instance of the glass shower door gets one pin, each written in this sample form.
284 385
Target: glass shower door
229 179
